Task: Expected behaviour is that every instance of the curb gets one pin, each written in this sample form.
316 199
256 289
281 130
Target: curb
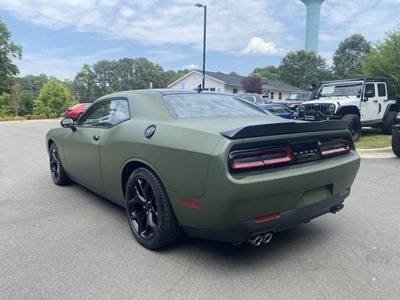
385 149
385 152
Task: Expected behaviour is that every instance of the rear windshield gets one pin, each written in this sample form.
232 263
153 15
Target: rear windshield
205 105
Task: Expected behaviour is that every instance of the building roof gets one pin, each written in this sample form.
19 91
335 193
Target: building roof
237 80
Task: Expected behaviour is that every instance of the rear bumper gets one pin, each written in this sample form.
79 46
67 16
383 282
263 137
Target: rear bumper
248 229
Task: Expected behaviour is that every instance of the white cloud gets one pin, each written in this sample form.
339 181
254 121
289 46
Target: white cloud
171 32
190 67
258 46
62 68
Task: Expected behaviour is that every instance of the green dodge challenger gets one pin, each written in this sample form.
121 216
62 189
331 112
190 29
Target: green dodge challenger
212 165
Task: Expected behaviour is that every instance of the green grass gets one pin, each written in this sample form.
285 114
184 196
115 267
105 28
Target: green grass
372 139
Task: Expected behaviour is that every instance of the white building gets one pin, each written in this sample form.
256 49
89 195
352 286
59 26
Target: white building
232 84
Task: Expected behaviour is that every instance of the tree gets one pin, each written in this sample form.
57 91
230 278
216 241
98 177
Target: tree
106 77
8 51
270 72
348 56
302 68
85 85
27 103
53 99
5 105
33 84
15 98
384 60
252 84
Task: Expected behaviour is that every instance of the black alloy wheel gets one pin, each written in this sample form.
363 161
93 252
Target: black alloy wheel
149 210
396 140
354 126
56 169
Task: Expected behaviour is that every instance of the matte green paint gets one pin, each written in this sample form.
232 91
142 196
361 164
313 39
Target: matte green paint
191 159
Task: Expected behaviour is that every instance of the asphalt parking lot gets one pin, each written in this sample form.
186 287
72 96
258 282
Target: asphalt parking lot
68 243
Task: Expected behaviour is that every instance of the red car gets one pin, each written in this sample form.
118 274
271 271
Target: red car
75 111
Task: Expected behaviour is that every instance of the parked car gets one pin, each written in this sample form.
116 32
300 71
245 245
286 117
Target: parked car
295 99
396 137
278 110
76 111
210 164
255 98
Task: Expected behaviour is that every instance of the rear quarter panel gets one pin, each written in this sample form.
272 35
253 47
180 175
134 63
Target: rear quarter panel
177 155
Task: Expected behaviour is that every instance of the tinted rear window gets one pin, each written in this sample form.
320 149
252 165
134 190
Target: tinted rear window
205 105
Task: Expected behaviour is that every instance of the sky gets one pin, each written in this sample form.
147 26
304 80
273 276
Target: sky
59 37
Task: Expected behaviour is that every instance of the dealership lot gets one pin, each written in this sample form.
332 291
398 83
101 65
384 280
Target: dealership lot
68 243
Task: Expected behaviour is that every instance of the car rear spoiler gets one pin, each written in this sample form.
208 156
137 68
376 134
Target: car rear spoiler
282 128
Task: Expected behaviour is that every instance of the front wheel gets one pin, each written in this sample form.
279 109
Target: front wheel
396 141
57 171
149 211
354 126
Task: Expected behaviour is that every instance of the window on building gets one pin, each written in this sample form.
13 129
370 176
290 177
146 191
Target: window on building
235 91
212 89
280 96
272 95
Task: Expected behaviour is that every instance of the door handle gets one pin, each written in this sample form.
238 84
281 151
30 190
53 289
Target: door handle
96 137
375 101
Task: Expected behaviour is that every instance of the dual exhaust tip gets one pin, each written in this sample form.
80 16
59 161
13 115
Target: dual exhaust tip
266 238
259 239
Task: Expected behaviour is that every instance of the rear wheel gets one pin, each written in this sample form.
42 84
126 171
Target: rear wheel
56 168
354 126
396 141
388 122
149 211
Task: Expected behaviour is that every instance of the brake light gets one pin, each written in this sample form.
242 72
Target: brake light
260 158
334 147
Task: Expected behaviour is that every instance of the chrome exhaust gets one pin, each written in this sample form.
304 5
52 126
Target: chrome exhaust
267 238
256 240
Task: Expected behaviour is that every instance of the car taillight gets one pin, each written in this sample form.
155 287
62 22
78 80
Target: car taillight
260 158
334 147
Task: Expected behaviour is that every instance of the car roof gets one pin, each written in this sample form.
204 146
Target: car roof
163 91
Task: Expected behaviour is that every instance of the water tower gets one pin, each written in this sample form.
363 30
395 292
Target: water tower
312 25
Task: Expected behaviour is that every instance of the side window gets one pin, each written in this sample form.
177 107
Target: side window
381 90
370 87
105 114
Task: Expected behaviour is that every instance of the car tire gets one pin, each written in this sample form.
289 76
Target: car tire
354 126
396 141
58 173
388 122
149 211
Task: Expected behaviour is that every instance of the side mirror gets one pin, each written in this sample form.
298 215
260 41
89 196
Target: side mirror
68 123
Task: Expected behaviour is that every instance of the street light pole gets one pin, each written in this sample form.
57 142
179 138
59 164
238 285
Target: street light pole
204 43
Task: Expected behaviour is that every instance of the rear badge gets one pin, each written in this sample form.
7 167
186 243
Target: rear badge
149 132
